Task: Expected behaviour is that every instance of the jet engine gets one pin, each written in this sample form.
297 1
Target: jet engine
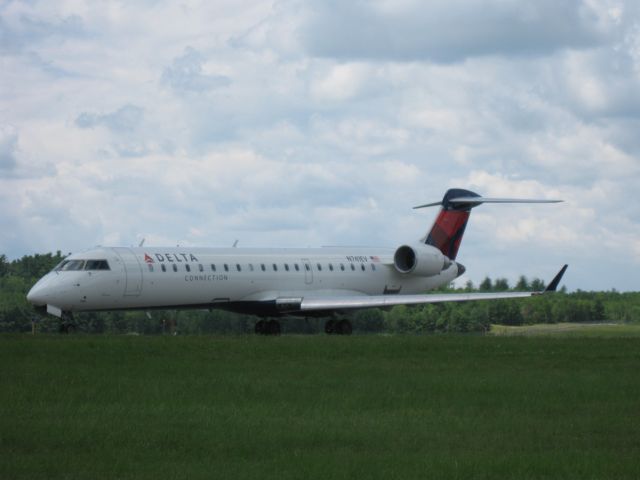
423 260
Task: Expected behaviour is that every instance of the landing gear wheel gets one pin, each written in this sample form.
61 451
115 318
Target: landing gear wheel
67 328
330 327
260 327
66 323
344 327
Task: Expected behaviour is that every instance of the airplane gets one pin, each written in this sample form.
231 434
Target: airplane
275 282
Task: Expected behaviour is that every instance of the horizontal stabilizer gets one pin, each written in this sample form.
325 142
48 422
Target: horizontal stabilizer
475 201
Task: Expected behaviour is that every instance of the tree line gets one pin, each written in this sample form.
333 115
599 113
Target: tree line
17 315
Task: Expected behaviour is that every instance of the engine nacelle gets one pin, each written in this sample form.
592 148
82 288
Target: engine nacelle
423 260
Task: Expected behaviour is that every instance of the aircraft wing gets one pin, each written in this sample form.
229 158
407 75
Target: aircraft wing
381 301
311 304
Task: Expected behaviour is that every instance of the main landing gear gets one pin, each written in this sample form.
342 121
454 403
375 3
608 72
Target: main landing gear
66 323
268 327
338 327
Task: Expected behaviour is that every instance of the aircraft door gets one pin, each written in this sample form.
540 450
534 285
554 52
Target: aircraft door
308 271
132 269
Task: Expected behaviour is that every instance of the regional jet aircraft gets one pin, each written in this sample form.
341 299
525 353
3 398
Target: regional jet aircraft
271 283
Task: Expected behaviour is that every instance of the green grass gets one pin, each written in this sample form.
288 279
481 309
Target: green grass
626 330
392 407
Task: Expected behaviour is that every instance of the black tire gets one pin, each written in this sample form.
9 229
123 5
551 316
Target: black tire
330 327
344 327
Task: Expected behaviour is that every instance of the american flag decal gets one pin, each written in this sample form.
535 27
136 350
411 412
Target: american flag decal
148 259
374 258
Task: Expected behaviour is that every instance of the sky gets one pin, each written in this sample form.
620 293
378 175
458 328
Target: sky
293 123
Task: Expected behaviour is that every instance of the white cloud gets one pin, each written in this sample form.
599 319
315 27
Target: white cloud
125 119
342 82
8 148
188 73
299 123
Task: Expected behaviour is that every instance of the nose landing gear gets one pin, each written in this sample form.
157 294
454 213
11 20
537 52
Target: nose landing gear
67 324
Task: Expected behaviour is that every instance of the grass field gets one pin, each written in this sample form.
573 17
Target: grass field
388 407
570 329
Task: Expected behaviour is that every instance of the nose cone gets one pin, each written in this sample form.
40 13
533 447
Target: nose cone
37 295
41 292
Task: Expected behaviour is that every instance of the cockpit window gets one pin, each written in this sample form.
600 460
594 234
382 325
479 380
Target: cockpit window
71 265
96 265
60 265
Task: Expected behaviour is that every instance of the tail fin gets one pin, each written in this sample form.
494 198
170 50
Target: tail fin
448 229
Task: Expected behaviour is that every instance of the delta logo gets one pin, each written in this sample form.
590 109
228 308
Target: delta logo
170 257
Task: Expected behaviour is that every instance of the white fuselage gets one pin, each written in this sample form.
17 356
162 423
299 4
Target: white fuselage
246 280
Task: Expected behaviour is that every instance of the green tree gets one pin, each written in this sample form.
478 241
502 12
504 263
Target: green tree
501 285
370 320
597 310
505 312
4 265
523 284
486 285
537 285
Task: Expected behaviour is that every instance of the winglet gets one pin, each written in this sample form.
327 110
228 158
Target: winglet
556 280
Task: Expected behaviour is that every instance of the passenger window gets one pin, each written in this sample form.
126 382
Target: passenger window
286 267
296 266
188 267
307 267
238 267
175 267
163 267
262 267
342 267
331 267
213 267
226 267
353 267
319 267
362 267
200 267
275 267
